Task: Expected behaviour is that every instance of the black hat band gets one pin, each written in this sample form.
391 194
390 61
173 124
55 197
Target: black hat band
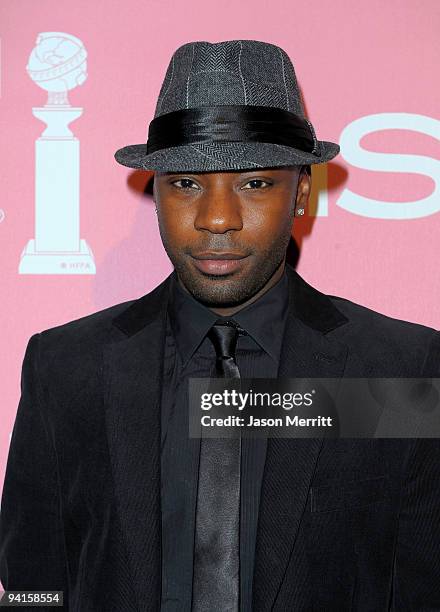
230 123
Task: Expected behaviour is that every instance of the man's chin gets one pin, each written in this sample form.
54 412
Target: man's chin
225 290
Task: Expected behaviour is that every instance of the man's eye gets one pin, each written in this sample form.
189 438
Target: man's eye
185 183
256 184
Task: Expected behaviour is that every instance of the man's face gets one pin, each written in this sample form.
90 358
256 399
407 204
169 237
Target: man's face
226 233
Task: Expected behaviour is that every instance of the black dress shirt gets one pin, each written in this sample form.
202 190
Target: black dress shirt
190 354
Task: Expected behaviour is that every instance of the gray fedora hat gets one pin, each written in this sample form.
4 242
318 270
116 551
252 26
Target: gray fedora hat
232 105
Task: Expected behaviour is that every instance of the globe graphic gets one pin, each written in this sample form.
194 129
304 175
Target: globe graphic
57 64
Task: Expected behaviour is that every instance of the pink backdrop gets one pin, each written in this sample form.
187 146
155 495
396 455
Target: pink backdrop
353 60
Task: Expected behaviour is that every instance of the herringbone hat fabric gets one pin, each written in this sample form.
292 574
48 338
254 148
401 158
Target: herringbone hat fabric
235 72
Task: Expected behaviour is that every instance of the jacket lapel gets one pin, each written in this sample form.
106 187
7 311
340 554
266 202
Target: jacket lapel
132 383
290 463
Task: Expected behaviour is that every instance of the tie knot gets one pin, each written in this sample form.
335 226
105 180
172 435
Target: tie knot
224 336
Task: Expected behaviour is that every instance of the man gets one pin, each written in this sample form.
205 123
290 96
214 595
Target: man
108 499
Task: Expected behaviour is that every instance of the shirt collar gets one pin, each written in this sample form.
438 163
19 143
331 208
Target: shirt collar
263 320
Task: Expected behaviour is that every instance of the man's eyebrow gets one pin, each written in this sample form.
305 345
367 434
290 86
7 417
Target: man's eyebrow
201 175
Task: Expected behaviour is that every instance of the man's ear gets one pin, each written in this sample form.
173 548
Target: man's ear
149 187
304 188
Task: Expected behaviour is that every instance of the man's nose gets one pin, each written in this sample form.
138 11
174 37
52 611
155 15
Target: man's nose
219 211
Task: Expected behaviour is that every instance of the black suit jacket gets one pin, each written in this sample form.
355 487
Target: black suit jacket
343 524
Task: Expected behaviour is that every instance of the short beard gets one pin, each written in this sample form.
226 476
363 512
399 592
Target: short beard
225 291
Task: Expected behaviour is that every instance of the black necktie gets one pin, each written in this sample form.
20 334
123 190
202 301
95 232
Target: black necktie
216 579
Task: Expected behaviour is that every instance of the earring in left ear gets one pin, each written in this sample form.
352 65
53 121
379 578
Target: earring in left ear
299 212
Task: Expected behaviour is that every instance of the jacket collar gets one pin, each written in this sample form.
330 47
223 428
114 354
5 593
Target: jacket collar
312 307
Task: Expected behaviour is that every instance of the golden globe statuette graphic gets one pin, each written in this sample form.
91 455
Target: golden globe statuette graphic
57 64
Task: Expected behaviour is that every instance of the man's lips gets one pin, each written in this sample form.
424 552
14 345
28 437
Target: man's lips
218 263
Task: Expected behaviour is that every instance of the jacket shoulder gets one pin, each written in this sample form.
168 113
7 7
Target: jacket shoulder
406 347
361 315
95 327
